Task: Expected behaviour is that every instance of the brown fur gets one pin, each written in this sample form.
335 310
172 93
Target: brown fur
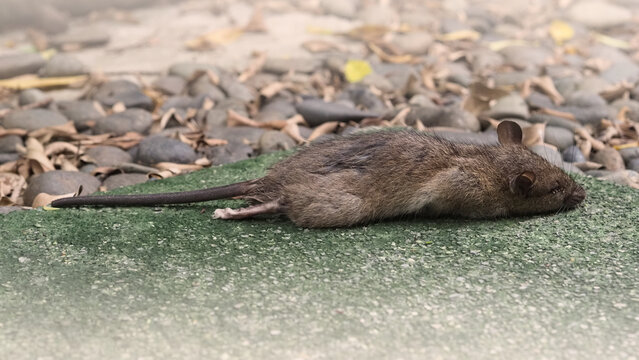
379 175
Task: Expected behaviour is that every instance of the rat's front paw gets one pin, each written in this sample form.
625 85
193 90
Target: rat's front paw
222 213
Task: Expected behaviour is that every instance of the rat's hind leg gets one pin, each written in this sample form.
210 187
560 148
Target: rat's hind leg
243 213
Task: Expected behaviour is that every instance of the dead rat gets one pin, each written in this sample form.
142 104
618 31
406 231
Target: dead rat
385 174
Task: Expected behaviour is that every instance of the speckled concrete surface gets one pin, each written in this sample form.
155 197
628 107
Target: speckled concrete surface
170 282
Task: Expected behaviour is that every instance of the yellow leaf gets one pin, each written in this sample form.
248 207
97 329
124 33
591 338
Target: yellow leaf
356 70
460 35
626 146
48 54
32 81
319 30
561 31
610 41
502 44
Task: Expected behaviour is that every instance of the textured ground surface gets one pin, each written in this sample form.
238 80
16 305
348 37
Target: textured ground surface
173 283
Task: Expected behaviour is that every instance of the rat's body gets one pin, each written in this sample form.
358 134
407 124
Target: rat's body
374 176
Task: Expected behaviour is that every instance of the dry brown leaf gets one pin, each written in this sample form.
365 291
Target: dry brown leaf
256 22
323 129
547 86
254 67
60 147
585 146
203 161
38 39
395 59
90 140
187 140
66 130
9 167
164 120
213 39
367 32
64 163
32 81
318 46
5 201
135 168
598 64
105 171
125 141
35 159
561 114
274 124
428 77
596 144
273 89
156 174
374 123
292 129
37 104
454 88
470 35
11 186
19 132
43 199
215 142
607 130
400 118
213 77
588 165
176 168
616 91
235 119
480 97
534 134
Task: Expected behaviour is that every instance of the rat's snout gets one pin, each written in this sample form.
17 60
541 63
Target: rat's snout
575 197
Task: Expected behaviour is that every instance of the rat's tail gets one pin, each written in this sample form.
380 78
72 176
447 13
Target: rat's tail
215 193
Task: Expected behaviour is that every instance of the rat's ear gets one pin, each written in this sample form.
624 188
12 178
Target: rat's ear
508 132
522 183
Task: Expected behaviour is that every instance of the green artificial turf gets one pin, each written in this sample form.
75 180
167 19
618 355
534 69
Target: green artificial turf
171 282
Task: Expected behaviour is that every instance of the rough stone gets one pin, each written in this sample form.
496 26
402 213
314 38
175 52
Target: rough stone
609 158
416 43
559 137
108 155
83 113
573 154
155 149
8 143
63 65
273 140
59 182
20 64
33 119
137 120
170 85
125 92
120 180
512 105
31 96
598 14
